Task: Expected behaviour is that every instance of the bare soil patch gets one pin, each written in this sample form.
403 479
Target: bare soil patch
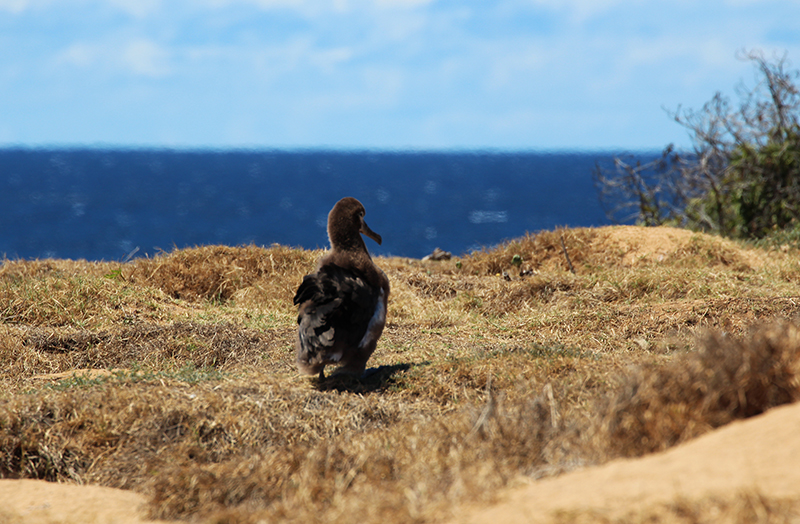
40 502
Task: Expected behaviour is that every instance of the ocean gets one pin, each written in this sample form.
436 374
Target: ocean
104 204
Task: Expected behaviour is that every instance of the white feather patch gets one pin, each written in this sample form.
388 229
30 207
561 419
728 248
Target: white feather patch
378 318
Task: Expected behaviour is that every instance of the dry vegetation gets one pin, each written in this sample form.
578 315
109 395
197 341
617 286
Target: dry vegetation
747 507
174 377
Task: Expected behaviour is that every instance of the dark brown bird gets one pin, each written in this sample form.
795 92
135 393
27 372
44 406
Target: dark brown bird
343 303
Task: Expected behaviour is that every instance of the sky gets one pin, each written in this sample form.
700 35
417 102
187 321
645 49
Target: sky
374 74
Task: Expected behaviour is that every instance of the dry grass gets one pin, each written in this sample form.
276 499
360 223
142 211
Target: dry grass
481 378
726 379
747 507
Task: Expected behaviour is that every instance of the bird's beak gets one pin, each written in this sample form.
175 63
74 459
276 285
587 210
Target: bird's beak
370 233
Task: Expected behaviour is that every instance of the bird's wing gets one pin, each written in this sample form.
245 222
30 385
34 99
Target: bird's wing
336 307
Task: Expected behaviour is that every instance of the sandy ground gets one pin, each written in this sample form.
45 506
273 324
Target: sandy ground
40 502
761 454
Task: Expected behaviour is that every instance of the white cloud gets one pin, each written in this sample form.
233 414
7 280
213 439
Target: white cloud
509 63
144 57
74 7
138 57
137 8
264 4
402 3
579 11
323 6
143 7
14 6
80 55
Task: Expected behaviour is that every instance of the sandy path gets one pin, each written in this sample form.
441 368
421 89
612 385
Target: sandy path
761 453
40 502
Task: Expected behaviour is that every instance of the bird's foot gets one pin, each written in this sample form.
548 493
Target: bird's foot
369 372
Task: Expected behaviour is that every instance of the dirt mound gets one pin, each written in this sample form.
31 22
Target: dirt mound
757 456
218 272
638 245
586 249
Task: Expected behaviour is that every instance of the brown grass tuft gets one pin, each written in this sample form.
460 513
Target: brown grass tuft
746 507
726 379
217 272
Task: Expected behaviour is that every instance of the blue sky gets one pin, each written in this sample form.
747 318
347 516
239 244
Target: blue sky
388 74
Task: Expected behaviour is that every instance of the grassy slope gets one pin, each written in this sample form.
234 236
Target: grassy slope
482 378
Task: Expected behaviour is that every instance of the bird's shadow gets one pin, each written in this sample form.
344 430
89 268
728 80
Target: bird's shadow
373 379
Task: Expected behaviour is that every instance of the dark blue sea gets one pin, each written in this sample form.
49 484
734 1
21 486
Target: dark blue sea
100 204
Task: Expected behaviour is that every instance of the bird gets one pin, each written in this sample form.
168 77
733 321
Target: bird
342 304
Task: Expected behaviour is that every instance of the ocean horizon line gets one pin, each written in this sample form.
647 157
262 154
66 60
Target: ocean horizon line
164 148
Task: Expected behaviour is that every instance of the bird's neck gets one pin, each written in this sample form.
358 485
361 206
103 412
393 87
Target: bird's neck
347 243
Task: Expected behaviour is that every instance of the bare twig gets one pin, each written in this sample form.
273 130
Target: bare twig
554 416
488 410
566 255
